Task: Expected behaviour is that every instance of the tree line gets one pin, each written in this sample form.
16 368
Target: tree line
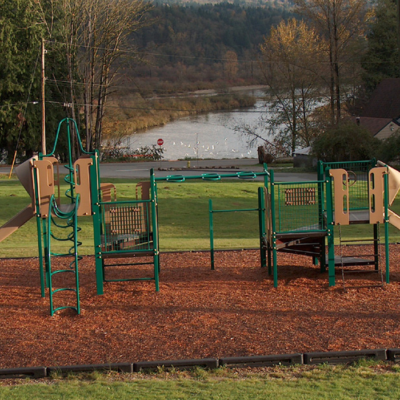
95 48
322 65
320 52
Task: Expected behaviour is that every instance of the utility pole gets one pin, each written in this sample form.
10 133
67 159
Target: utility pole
43 81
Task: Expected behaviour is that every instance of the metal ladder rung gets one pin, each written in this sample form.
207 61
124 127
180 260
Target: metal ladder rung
359 240
361 258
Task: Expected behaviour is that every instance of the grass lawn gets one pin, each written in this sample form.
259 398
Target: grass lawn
183 217
364 381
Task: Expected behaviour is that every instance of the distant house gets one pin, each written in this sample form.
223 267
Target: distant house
381 116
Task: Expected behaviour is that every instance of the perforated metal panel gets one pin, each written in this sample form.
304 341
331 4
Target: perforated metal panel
126 226
297 207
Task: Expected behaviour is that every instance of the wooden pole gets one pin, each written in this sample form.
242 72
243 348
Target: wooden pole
43 81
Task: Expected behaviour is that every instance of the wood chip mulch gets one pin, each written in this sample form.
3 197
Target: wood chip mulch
198 313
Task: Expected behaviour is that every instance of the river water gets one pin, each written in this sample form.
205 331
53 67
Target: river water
210 135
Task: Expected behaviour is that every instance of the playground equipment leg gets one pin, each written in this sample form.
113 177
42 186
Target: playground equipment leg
40 252
331 257
275 262
211 223
269 259
156 260
98 255
323 257
261 221
376 246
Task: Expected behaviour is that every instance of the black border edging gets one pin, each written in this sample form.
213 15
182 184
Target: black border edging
393 355
119 367
332 357
211 363
261 361
28 372
344 357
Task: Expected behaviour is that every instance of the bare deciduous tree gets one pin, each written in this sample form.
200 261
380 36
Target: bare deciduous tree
341 25
290 63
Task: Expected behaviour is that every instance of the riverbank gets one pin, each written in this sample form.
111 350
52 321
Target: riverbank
129 113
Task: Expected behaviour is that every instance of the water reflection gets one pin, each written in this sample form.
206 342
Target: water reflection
203 136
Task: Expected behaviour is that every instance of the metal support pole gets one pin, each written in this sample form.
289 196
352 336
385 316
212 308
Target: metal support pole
211 219
330 230
386 196
43 82
153 199
273 217
261 224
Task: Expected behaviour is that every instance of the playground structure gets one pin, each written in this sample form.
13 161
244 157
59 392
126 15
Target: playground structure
121 228
301 216
294 217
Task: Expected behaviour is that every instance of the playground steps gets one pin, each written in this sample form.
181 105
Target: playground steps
308 244
358 265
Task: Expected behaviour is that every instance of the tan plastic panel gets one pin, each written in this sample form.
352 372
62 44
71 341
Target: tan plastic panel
341 196
108 192
45 175
376 194
144 188
394 184
82 185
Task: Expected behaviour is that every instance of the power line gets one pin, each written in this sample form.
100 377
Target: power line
149 109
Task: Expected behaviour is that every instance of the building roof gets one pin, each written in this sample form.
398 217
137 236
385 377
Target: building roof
374 125
385 100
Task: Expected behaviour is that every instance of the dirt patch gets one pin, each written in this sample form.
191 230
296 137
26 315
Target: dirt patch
232 311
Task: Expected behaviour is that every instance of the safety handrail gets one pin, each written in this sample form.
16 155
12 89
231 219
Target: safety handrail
213 176
175 178
246 175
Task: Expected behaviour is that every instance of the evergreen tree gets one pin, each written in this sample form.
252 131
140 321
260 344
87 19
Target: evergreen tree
382 57
21 32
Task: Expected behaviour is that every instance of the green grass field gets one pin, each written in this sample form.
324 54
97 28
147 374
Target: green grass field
363 381
183 217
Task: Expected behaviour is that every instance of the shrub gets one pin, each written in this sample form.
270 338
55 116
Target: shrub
345 142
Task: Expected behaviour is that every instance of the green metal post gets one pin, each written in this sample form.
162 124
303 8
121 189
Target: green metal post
46 252
266 183
321 205
211 219
386 197
273 217
76 257
330 230
153 190
376 246
96 215
261 223
40 251
42 270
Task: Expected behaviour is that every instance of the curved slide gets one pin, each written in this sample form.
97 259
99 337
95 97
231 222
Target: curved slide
24 174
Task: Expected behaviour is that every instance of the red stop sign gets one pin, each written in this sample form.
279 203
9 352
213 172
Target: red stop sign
160 142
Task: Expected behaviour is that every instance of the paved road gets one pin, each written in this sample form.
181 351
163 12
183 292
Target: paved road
140 170
165 168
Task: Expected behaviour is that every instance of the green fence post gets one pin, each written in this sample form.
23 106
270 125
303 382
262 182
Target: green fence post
153 190
211 219
96 215
330 230
386 194
273 217
261 223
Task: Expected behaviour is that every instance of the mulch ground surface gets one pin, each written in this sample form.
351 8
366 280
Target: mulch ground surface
231 311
